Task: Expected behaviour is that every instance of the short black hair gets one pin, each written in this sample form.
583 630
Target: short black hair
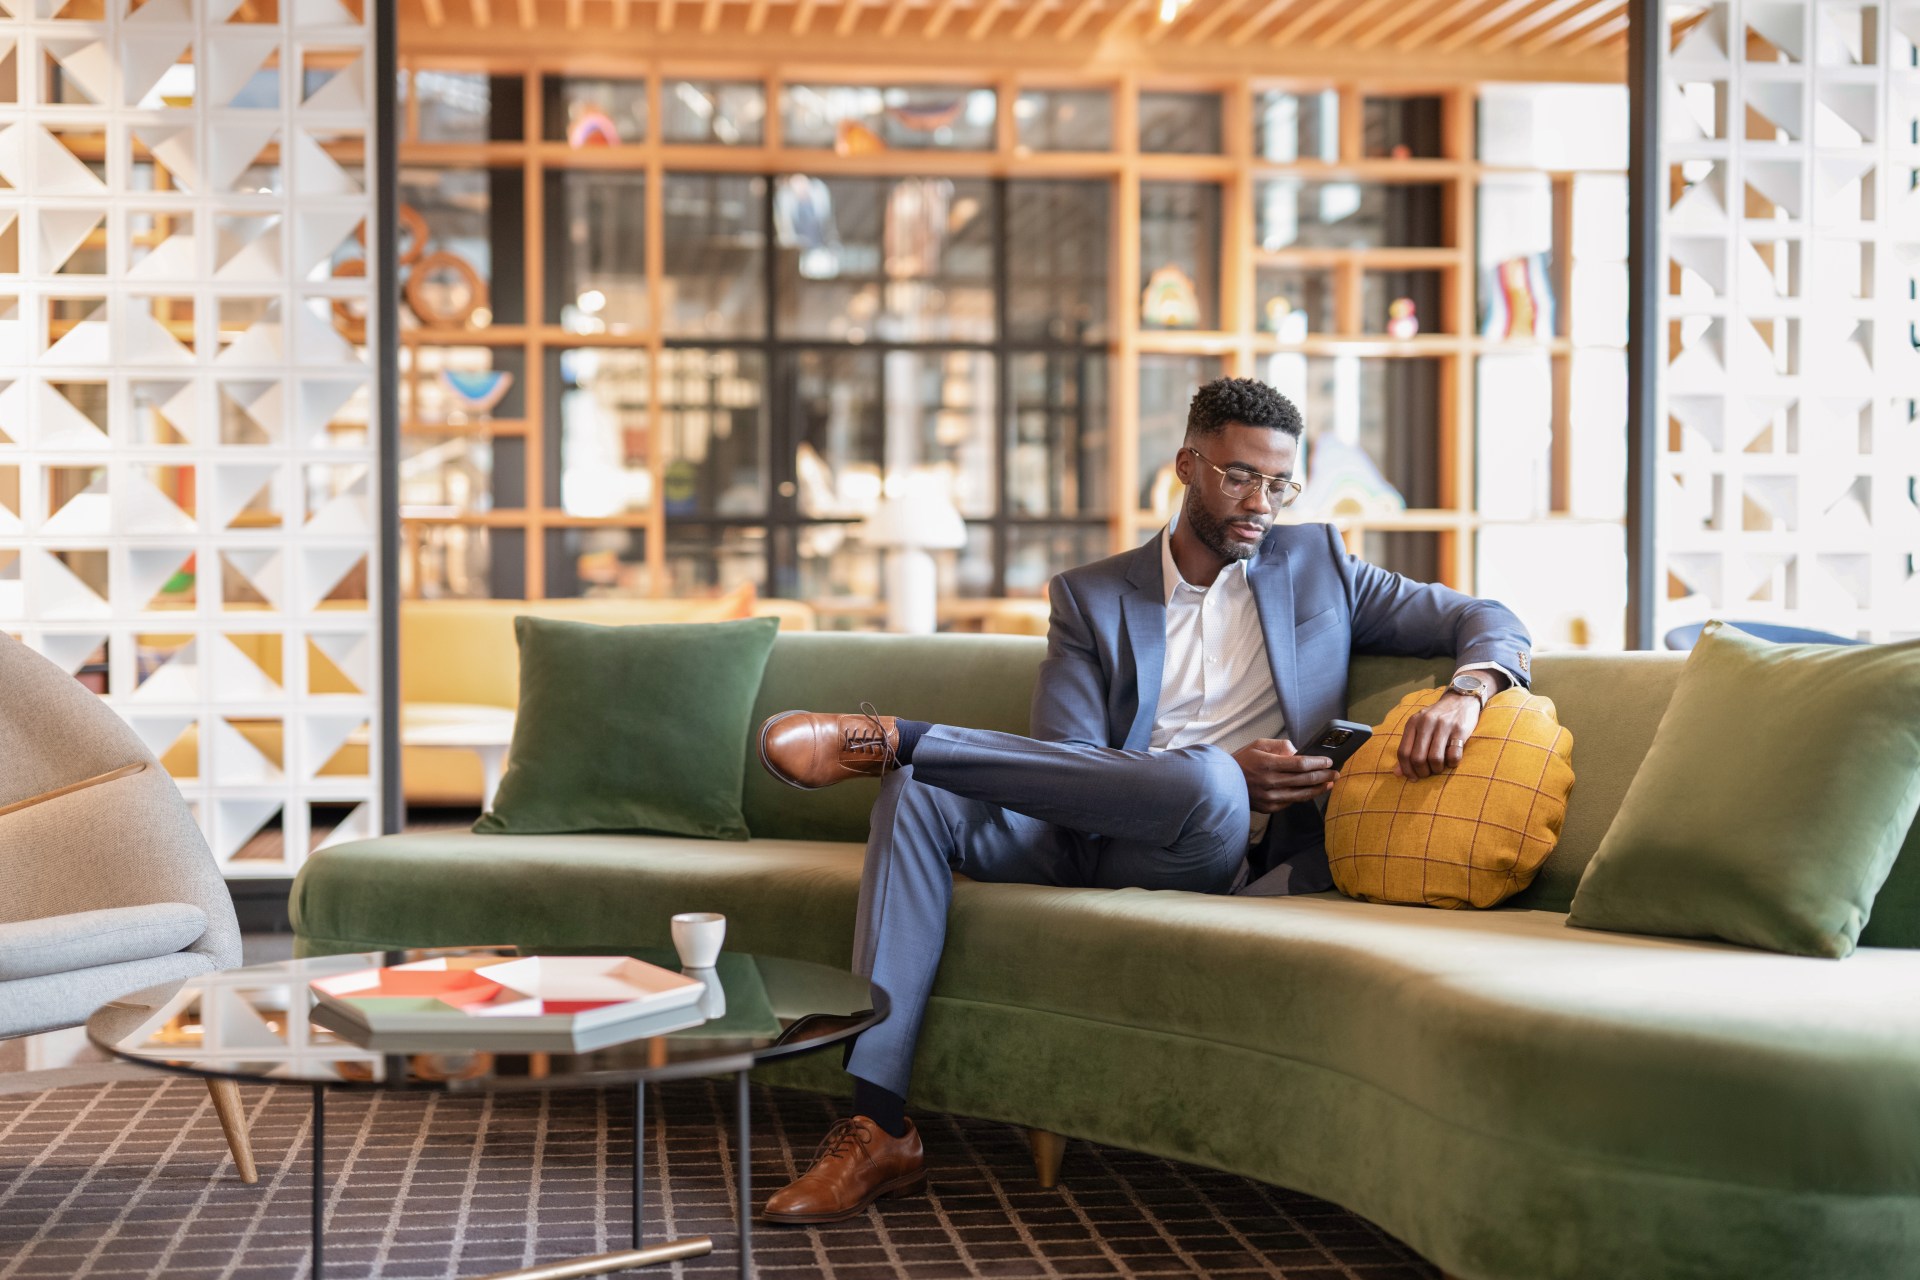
1246 400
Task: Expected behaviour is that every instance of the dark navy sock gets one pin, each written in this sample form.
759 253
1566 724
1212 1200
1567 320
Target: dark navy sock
882 1106
910 731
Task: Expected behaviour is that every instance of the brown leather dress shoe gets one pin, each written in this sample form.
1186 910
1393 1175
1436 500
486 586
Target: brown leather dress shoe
857 1163
814 749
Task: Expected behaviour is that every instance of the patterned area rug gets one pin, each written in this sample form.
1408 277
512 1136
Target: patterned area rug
132 1179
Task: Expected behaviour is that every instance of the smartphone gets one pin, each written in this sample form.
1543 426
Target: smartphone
1337 742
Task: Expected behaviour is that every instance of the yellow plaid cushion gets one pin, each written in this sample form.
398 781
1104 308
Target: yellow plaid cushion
1468 836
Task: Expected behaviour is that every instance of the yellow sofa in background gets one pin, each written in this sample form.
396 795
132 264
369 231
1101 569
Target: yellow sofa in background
463 651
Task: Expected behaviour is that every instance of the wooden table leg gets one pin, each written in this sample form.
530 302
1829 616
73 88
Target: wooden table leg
233 1123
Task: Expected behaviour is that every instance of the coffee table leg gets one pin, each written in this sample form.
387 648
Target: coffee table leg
743 1165
319 1180
639 1156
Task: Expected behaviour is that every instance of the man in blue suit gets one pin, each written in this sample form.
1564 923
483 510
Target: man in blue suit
1178 677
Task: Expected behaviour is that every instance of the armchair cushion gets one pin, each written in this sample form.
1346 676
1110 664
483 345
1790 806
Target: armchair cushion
88 939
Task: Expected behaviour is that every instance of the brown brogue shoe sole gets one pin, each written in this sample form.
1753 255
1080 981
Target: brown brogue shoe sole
911 1184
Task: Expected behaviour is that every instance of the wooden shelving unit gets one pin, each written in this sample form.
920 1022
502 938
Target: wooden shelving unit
1239 346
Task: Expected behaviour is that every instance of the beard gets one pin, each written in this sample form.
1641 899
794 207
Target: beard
1212 531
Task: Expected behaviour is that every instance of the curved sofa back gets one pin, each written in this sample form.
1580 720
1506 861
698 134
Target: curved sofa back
1611 701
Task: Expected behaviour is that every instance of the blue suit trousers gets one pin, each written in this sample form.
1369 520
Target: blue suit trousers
1000 807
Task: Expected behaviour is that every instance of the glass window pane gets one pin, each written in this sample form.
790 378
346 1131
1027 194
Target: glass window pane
1179 255
1057 446
476 216
1388 406
857 119
1036 552
1401 128
1296 126
728 113
716 244
838 430
459 106
597 459
712 408
1058 284
587 111
1290 213
1293 303
940 416
967 573
1180 123
1064 120
828 562
597 251
1167 384
465 561
596 562
711 560
893 259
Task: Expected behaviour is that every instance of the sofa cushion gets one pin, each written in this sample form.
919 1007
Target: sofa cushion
84 939
1774 801
1677 1057
631 728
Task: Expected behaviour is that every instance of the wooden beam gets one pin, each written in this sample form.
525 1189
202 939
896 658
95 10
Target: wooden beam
622 14
1334 31
756 17
989 14
710 17
1536 17
482 13
528 18
1261 17
1379 31
436 15
850 11
803 16
1128 11
1075 20
1036 10
1301 20
1576 30
896 15
1440 19
941 16
1484 22
1215 18
576 14
663 16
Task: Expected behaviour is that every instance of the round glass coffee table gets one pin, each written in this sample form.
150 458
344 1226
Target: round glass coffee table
264 1025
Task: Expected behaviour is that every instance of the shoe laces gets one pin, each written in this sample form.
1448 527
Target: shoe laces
870 738
842 1138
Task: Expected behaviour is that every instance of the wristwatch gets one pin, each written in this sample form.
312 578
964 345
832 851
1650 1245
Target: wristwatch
1470 685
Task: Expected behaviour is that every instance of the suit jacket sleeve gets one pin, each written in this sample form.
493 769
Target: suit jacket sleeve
1393 614
1070 696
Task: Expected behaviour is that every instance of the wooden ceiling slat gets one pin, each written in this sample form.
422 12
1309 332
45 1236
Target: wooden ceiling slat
1610 27
1261 17
528 18
482 13
1482 23
989 14
896 15
1334 31
1299 22
1075 20
710 15
1439 20
664 16
1539 16
622 14
942 15
803 16
1214 19
1379 31
756 17
1575 23
1129 11
850 11
1509 21
1036 10
436 16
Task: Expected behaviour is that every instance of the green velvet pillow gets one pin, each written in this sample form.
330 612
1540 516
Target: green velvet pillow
640 728
1773 802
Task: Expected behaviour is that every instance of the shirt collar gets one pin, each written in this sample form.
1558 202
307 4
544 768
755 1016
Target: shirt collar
1170 579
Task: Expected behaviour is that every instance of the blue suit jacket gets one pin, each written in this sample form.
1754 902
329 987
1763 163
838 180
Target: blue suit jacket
1100 683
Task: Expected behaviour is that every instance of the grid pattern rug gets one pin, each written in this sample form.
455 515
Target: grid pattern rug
132 1179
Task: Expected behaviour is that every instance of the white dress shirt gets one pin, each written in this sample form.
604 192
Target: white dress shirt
1216 686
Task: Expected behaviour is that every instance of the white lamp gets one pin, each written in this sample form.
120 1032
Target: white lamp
915 517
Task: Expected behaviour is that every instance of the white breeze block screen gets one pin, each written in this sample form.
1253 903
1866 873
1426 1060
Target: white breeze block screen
1792 445
188 516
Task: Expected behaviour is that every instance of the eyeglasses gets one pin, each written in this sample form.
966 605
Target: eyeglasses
1238 482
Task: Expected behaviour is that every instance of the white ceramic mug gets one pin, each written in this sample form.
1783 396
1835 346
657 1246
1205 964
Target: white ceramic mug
697 936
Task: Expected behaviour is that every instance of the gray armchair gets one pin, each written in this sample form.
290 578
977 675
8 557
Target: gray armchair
106 884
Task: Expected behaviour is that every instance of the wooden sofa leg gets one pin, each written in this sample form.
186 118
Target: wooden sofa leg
1048 1149
233 1123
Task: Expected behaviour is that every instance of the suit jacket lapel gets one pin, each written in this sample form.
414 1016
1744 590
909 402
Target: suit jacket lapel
1270 578
1145 610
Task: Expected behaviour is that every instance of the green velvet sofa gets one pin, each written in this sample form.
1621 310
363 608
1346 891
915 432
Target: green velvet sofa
1516 1099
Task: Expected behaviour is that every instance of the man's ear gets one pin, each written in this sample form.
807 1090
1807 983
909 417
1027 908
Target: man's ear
1183 465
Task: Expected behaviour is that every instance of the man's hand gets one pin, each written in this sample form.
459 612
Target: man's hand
1277 777
1436 736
